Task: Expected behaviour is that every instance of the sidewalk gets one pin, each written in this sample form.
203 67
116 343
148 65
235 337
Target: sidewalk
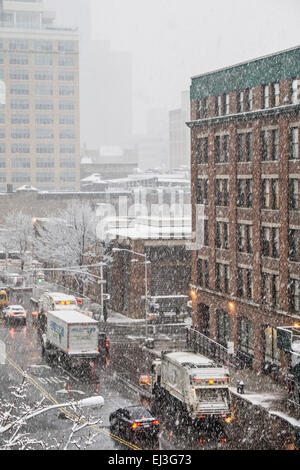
259 389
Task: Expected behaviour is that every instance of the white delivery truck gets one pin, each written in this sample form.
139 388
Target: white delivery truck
193 383
72 338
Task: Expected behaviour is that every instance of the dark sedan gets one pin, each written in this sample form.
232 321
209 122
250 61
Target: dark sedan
134 422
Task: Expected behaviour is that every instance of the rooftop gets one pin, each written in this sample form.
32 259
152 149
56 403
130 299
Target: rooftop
262 70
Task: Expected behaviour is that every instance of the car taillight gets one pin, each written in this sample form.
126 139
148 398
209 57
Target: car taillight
155 422
202 441
135 425
223 440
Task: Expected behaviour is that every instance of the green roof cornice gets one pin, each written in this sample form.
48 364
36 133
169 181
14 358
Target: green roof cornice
268 69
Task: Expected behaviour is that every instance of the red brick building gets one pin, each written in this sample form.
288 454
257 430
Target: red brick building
245 176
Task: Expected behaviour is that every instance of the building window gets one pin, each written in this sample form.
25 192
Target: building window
223 327
43 60
202 150
67 148
43 46
266 96
66 76
271 351
66 90
202 191
66 46
240 102
20 148
203 108
227 103
43 75
265 145
249 99
44 90
244 193
67 134
2 163
222 192
244 283
217 149
276 94
44 133
246 336
67 177
20 119
67 163
19 90
19 75
244 147
294 294
222 235
45 162
44 105
293 194
295 91
2 148
203 273
218 105
20 133
270 194
206 233
245 238
44 119
66 61
18 45
293 245
21 59
20 163
44 148
270 242
20 178
294 143
66 105
275 145
222 278
45 177
66 119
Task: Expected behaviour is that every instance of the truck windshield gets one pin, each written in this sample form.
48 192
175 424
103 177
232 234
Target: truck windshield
211 395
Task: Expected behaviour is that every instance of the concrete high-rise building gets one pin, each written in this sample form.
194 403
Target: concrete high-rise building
106 95
179 134
39 115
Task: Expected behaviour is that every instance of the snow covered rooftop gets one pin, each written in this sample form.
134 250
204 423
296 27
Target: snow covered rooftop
189 358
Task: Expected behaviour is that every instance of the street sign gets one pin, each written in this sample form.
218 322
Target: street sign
106 296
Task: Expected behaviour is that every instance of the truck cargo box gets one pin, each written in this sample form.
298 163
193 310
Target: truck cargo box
72 332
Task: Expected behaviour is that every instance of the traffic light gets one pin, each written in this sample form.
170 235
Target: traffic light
40 277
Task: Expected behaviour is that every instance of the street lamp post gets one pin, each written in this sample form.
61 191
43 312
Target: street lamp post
146 262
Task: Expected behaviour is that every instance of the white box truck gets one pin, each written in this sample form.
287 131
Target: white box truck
193 383
71 337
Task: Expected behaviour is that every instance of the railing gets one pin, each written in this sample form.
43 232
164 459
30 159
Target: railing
210 348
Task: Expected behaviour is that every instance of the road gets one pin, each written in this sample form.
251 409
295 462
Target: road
56 386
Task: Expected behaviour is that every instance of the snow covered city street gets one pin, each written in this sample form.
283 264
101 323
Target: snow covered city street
150 229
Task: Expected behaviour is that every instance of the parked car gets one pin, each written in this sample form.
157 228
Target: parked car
14 312
134 422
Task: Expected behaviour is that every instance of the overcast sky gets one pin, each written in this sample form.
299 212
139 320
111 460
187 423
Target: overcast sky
172 40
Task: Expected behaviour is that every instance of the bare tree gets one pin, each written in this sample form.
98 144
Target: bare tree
16 411
18 235
68 239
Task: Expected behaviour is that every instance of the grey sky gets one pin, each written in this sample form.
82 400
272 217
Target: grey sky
171 40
